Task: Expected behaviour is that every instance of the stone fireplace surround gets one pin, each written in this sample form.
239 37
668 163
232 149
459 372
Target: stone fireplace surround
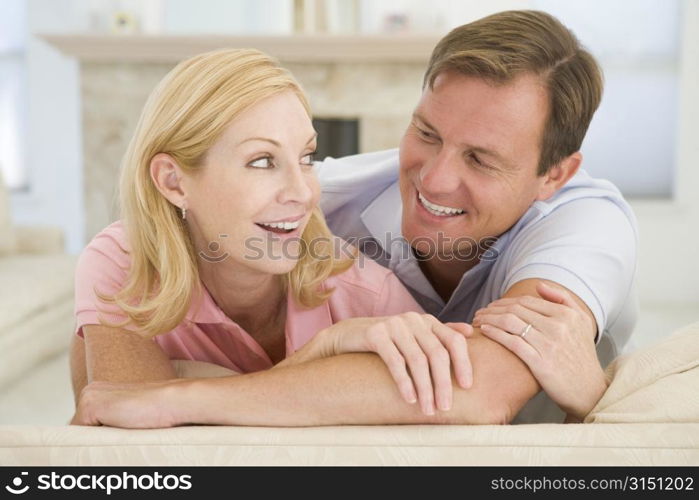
375 79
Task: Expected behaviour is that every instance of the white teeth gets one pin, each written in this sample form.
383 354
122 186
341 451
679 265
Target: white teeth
281 225
438 209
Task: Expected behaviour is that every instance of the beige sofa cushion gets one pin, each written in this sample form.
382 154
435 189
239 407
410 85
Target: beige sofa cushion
32 284
655 384
7 237
541 444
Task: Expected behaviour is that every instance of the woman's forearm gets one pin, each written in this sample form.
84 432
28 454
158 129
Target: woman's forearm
345 389
117 355
351 389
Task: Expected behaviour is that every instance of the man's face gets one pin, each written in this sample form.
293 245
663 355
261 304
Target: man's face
468 161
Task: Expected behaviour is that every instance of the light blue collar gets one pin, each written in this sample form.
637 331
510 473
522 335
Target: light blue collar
382 218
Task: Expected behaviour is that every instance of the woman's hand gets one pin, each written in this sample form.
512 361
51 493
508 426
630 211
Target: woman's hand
129 405
558 347
417 348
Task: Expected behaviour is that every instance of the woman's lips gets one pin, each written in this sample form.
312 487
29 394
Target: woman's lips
285 226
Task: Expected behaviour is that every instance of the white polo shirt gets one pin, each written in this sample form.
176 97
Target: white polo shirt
584 237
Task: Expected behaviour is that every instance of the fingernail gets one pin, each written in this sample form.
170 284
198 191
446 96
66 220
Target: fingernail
428 409
412 398
444 404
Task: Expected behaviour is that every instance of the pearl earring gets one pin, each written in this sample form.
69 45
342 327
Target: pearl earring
184 213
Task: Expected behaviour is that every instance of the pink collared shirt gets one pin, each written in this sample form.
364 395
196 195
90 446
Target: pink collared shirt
206 333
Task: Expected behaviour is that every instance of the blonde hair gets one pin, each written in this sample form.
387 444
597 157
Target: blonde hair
505 45
183 117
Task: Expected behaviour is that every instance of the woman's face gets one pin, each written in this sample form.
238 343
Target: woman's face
252 199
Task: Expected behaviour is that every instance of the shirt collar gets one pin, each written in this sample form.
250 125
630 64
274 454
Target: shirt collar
302 323
203 308
382 218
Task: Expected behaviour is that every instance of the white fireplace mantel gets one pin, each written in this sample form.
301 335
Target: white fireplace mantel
373 79
296 48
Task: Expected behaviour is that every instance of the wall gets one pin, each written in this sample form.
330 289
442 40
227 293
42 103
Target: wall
669 270
669 260
53 146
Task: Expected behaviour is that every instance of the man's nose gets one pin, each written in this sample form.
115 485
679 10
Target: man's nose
442 174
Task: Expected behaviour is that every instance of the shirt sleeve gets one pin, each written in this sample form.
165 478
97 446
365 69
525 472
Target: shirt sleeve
102 267
589 246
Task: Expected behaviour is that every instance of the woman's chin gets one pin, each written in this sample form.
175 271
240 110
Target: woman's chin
281 266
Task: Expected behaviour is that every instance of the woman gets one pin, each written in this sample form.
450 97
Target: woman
222 255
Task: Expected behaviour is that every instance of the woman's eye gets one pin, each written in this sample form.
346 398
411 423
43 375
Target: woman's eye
308 159
264 162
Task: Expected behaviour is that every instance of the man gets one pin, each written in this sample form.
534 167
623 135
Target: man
494 206
488 179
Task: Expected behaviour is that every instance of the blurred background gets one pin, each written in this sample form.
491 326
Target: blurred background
74 75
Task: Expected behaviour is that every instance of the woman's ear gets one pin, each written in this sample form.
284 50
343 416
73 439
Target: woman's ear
167 177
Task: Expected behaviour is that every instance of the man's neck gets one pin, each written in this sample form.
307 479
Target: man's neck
445 275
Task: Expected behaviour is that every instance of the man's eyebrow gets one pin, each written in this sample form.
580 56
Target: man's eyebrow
489 152
418 116
476 149
276 143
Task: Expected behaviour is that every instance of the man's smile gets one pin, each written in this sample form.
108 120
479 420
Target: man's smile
438 210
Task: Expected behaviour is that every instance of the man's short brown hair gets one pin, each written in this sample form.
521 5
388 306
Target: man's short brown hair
505 45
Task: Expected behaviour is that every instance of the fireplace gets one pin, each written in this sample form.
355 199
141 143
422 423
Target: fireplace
336 137
361 89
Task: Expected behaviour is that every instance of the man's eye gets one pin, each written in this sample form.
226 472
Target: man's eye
308 159
478 162
264 162
425 135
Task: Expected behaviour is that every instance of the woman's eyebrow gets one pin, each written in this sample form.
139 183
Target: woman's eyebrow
266 139
276 143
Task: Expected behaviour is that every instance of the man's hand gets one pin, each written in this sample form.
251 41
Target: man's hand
558 348
418 350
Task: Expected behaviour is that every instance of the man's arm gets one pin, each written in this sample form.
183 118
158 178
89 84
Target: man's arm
559 347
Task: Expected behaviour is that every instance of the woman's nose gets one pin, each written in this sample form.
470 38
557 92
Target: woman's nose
298 186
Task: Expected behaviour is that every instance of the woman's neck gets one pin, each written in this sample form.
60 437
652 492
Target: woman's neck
253 300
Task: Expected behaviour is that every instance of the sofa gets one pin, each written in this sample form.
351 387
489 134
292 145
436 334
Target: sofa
648 416
36 294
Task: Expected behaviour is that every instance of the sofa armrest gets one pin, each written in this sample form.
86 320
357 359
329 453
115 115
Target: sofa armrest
655 384
38 239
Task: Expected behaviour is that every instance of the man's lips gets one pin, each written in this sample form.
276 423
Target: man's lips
436 210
